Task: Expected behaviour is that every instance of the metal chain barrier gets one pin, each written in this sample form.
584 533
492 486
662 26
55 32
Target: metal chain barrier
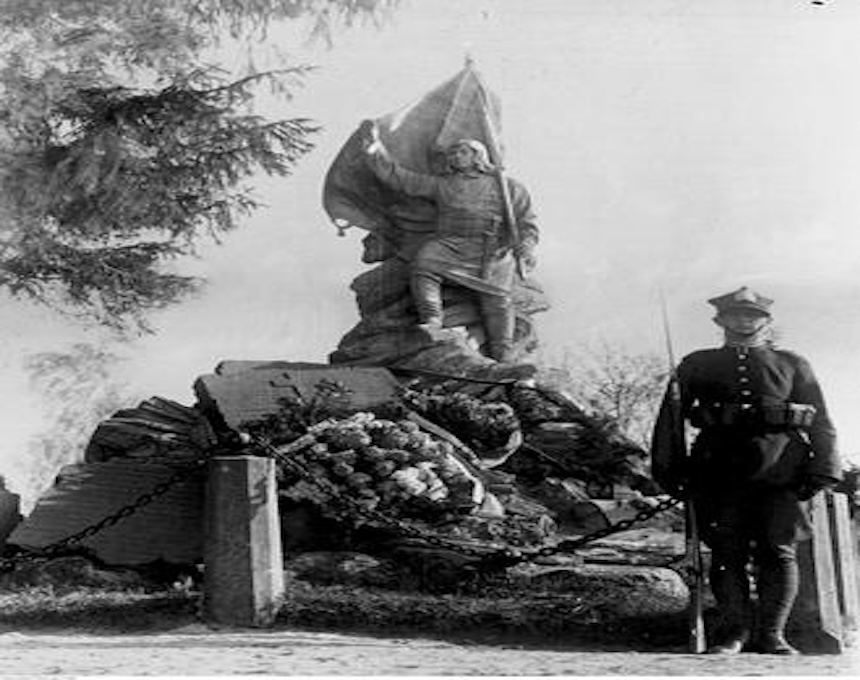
489 558
57 548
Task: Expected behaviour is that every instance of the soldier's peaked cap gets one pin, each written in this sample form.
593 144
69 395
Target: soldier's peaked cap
742 298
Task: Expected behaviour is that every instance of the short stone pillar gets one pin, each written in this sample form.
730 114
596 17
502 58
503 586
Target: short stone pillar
824 618
244 565
845 563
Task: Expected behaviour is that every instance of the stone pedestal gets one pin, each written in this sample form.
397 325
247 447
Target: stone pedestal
244 571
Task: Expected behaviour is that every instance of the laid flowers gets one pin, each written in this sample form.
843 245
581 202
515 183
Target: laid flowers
386 465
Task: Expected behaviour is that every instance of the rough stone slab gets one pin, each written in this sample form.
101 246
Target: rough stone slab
231 399
160 424
169 528
630 591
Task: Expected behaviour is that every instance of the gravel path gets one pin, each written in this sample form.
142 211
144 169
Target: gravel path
197 650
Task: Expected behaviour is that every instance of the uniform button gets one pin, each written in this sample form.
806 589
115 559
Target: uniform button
746 393
743 368
743 380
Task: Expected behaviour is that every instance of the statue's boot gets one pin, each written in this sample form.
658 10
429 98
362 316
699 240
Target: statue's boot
730 586
777 589
426 291
497 313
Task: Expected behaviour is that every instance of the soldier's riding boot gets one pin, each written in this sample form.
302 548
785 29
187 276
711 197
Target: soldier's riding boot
426 291
777 589
497 313
730 585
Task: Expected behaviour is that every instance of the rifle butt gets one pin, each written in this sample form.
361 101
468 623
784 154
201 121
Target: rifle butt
696 640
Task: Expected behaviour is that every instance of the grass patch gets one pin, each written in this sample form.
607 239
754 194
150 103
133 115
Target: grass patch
493 617
96 609
511 617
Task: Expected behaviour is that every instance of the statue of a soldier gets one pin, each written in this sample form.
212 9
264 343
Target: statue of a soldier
472 245
765 446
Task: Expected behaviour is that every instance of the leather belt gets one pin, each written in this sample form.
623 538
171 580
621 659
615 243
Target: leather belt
788 415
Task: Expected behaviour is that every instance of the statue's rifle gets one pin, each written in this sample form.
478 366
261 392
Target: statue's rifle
693 549
496 159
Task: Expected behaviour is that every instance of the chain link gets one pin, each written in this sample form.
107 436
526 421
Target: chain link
572 545
57 548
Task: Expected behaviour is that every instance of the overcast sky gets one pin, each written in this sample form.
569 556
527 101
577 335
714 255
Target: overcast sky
690 144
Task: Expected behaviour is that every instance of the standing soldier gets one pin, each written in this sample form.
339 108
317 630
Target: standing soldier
765 446
470 247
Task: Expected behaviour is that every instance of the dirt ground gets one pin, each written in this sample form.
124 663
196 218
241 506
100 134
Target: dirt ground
200 651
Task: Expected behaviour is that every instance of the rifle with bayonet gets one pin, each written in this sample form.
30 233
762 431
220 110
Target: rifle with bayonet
692 545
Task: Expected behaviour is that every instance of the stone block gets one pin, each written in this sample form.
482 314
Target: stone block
627 591
170 528
236 396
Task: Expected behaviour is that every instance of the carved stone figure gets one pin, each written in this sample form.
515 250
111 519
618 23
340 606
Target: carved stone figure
471 246
453 290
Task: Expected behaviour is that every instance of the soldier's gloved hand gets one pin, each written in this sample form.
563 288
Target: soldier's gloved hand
812 484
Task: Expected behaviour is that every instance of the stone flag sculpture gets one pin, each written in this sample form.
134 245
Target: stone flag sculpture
397 225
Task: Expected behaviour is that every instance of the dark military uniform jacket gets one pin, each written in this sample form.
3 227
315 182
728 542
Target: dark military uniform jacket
761 418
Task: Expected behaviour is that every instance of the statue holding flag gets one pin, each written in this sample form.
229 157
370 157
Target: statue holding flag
471 246
455 236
